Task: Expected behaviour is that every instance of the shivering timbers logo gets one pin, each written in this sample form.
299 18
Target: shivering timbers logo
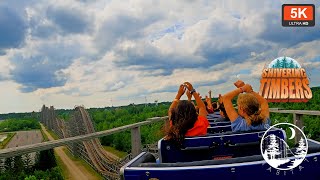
280 154
285 81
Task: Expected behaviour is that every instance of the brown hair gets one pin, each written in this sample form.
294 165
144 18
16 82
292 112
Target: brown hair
221 108
214 105
250 105
183 117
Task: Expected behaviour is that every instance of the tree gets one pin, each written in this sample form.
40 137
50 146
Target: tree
284 63
273 147
291 64
18 165
55 174
31 177
8 164
278 64
301 150
27 160
46 160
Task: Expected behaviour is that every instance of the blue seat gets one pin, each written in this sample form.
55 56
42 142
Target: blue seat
213 124
212 120
219 129
217 112
213 116
210 147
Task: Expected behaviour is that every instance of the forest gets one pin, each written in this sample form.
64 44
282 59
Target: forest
25 123
26 115
21 167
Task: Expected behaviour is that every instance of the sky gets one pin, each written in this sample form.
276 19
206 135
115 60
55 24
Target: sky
99 53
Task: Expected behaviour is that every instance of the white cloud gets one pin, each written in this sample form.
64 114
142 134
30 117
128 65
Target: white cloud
5 67
126 50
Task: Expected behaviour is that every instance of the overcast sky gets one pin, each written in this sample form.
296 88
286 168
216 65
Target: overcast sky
100 53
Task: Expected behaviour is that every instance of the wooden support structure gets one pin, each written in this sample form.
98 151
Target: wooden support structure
297 120
135 141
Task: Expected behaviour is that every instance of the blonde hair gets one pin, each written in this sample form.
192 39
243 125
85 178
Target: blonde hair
250 105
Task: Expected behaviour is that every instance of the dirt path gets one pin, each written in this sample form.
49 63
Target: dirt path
76 171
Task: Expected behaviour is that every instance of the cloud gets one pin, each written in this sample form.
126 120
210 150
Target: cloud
145 56
5 67
122 26
274 31
12 28
303 52
39 65
82 52
36 72
219 38
69 19
114 86
96 76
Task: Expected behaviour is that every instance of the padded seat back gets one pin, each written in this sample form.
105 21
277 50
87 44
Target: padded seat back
213 146
213 124
213 117
219 129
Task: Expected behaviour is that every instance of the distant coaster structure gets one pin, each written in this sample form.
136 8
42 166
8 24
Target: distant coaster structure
91 151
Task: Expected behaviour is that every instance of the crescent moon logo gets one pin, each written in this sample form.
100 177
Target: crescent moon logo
293 133
278 153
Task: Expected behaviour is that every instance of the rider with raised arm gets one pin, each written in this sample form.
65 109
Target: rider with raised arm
208 103
253 110
184 120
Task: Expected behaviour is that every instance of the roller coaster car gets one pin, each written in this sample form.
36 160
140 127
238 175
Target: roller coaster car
227 155
210 147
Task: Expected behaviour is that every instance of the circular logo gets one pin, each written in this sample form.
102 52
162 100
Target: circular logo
282 154
284 62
